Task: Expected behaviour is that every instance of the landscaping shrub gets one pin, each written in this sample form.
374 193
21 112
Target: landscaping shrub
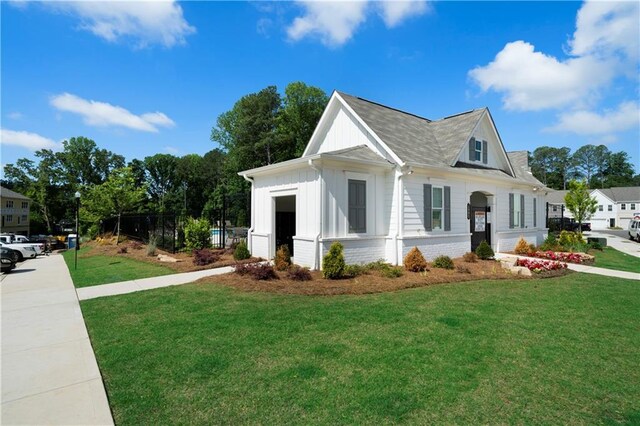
197 234
354 270
283 258
594 245
122 249
241 252
391 272
135 245
550 243
470 257
262 272
378 265
333 262
241 268
463 269
570 239
522 247
443 262
297 273
204 257
414 261
484 251
151 246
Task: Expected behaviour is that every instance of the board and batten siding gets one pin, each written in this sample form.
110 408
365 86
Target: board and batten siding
304 183
495 156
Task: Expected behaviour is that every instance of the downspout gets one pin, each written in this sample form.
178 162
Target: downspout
316 239
250 231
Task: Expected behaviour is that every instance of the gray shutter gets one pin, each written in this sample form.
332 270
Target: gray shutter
535 213
510 210
472 149
521 211
485 154
447 208
427 207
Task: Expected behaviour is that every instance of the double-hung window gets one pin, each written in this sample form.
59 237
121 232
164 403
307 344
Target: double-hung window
517 208
9 204
623 206
357 206
25 204
610 208
601 208
436 208
633 206
478 150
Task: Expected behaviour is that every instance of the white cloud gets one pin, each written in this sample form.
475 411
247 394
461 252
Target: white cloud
31 141
531 80
335 22
606 38
605 27
102 114
583 122
145 22
395 12
15 115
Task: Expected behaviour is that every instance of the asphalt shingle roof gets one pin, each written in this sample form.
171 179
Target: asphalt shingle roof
360 152
622 193
7 193
418 140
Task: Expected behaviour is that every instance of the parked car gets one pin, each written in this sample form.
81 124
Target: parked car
7 262
557 224
24 252
14 254
23 241
634 229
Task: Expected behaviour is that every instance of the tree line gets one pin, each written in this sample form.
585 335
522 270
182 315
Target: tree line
262 128
598 166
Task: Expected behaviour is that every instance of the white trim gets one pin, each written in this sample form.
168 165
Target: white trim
323 117
437 235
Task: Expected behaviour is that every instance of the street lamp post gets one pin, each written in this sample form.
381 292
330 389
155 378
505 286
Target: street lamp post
77 195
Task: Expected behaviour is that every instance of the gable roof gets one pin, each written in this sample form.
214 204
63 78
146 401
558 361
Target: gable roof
432 143
7 193
622 193
357 153
557 197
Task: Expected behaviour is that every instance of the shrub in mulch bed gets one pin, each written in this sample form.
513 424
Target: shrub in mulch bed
282 261
297 273
535 265
135 245
257 271
443 262
205 257
122 250
470 257
414 261
580 258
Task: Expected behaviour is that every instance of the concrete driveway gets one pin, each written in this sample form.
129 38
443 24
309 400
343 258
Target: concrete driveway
618 240
49 371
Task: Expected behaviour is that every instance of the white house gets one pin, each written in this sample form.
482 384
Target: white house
382 181
616 206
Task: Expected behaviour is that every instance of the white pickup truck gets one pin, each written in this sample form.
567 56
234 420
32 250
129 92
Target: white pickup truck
24 251
21 240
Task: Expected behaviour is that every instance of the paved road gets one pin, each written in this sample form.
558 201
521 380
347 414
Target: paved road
621 243
49 371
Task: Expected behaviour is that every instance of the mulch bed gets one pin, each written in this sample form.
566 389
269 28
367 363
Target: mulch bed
371 282
140 254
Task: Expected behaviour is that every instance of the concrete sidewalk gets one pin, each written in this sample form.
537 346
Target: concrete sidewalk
582 268
132 286
622 244
49 371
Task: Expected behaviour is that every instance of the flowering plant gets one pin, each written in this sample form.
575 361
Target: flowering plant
536 265
562 256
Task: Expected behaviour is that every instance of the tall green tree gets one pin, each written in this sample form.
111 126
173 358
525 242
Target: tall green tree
585 160
579 202
162 180
85 163
302 108
618 171
552 166
117 195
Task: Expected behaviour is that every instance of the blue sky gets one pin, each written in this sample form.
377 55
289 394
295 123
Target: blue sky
142 78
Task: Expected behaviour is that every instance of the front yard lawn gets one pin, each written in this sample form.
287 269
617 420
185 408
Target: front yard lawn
611 258
100 269
556 351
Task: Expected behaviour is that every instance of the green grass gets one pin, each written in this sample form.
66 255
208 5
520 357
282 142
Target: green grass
611 258
555 351
99 269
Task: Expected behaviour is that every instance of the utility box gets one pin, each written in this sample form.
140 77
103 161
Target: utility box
72 241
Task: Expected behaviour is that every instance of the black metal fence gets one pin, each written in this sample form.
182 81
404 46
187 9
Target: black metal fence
168 228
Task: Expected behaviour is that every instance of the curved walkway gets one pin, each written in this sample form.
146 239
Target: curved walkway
124 287
49 371
582 268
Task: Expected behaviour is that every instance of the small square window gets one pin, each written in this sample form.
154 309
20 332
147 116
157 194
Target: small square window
555 208
633 206
601 208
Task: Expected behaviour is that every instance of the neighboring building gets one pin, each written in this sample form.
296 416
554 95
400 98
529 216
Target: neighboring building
616 206
15 212
382 181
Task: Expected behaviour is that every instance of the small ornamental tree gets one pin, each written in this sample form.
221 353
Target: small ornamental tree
197 234
579 202
414 261
522 247
333 262
484 251
241 252
282 260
